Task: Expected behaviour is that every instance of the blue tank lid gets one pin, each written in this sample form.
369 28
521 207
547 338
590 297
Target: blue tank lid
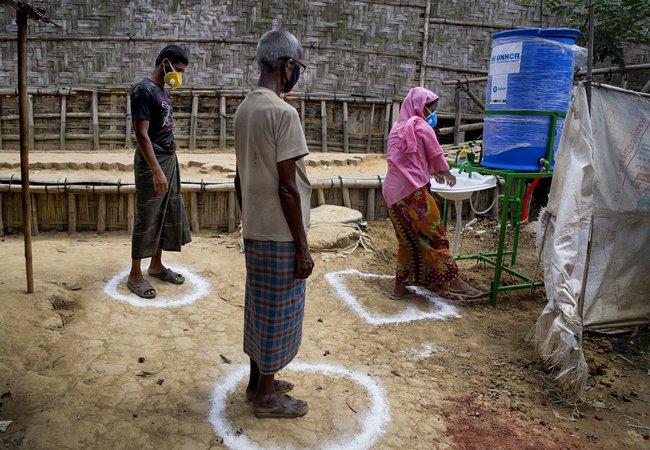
550 33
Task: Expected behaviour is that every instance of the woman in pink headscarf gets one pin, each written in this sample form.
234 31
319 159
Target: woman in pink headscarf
414 156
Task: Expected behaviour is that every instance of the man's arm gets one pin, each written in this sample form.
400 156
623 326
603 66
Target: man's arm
290 202
146 148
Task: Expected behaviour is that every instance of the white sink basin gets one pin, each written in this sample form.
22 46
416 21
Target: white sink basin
465 186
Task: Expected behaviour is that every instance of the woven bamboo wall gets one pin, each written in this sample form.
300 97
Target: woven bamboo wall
377 49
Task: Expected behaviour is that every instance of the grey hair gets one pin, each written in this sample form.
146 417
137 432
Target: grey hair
274 45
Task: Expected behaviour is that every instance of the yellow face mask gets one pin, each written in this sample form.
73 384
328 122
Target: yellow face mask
173 79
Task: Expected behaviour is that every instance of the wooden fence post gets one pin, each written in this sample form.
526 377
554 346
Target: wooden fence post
95 120
101 213
370 204
323 125
345 127
34 214
64 107
193 120
194 211
223 123
72 214
129 123
30 119
370 129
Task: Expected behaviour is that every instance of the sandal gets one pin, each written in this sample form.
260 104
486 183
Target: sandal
468 294
142 288
169 276
289 408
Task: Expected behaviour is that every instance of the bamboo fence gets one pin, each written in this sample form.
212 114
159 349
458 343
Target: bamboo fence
110 206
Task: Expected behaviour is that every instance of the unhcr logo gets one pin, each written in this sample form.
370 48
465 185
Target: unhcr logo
505 58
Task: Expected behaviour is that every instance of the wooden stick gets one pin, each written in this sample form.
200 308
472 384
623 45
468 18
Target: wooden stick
129 123
25 141
232 201
34 214
323 124
346 197
72 213
345 128
370 205
194 212
95 123
30 118
222 124
193 120
101 213
386 127
64 102
370 128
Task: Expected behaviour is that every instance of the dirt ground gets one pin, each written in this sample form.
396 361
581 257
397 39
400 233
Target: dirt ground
80 368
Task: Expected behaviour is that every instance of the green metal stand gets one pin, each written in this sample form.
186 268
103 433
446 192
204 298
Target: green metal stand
512 202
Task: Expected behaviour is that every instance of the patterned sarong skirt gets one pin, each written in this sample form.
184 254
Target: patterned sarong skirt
274 304
423 256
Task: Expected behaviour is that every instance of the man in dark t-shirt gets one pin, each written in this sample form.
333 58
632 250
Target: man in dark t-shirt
160 220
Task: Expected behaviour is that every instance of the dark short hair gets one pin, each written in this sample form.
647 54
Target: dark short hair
173 53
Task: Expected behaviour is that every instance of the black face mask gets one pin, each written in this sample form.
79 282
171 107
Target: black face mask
290 83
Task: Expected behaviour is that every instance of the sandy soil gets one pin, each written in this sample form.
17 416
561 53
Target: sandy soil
82 369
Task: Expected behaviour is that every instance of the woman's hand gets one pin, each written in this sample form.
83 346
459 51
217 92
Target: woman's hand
445 178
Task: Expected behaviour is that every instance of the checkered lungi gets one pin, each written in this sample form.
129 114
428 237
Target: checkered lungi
274 304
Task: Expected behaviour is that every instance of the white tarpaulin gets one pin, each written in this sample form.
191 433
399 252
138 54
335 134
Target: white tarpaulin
597 229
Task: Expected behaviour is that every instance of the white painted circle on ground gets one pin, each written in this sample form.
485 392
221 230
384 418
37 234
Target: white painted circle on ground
201 288
374 420
442 309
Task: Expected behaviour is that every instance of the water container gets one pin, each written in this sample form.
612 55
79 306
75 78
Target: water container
528 92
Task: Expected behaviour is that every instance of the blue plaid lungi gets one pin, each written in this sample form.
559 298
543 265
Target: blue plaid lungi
274 304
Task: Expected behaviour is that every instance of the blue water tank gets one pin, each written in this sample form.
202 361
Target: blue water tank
529 86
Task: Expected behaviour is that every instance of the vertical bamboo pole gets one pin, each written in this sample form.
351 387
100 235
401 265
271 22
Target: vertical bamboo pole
302 114
0 129
345 127
193 120
130 213
64 107
222 124
323 125
372 119
425 44
72 214
346 197
2 225
457 117
232 202
370 204
30 119
321 196
129 124
101 213
34 214
194 211
95 123
386 127
21 20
